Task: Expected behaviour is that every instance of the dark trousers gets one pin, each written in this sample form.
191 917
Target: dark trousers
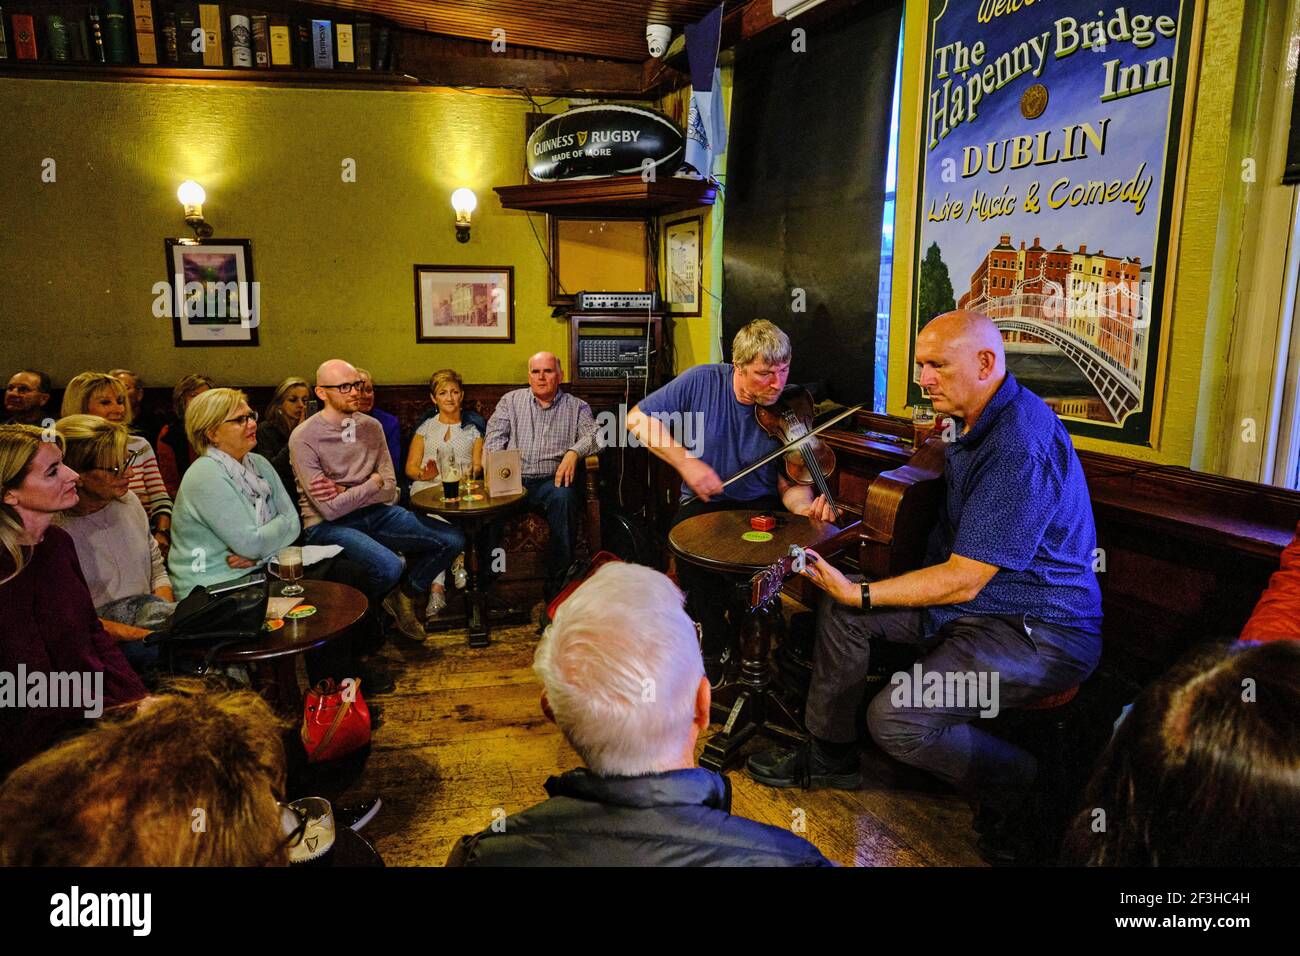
711 598
1029 658
561 507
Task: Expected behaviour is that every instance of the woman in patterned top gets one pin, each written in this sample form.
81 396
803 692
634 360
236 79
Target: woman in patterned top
450 429
98 393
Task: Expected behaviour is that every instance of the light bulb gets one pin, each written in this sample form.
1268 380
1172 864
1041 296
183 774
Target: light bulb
464 201
191 193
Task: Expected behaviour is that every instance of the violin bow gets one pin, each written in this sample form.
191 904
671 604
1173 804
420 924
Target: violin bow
784 448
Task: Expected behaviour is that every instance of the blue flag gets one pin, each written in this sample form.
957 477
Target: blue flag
706 125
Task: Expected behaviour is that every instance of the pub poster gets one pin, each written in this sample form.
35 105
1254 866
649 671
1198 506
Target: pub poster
1049 156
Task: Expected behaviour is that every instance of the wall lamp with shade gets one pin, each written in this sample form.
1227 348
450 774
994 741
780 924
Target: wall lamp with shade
464 202
192 196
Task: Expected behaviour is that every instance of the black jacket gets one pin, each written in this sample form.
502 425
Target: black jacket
679 818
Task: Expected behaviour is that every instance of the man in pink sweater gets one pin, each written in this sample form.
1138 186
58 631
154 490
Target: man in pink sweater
347 489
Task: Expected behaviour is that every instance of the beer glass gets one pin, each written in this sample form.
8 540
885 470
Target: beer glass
923 423
287 566
449 472
315 846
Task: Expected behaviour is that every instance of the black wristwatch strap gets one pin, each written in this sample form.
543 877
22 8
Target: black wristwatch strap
866 596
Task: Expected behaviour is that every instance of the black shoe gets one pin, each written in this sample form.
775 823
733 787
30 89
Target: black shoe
717 668
376 679
806 767
357 815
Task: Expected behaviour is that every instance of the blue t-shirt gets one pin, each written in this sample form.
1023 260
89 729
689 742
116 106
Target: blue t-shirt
700 410
1016 497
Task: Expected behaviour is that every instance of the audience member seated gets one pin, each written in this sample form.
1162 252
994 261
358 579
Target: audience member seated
175 454
126 793
285 412
553 431
451 429
98 393
392 430
622 677
143 421
349 488
1277 613
122 564
1203 772
25 397
234 514
47 617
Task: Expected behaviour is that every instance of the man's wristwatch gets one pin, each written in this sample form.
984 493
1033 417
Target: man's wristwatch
866 596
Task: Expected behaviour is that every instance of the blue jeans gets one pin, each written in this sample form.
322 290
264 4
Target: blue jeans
377 536
561 508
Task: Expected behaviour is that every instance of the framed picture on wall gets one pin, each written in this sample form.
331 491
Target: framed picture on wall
464 303
210 292
684 265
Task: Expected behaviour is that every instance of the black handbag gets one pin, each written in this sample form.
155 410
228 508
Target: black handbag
216 617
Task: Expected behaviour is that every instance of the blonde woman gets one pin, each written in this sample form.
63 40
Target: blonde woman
98 393
122 564
447 428
47 617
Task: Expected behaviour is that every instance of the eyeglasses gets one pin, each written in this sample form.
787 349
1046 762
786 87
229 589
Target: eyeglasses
295 835
119 470
345 387
241 420
367 389
20 389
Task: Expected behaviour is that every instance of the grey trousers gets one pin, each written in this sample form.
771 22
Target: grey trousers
1013 660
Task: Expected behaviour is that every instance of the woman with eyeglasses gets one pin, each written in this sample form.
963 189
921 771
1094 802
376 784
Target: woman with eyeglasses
123 565
232 511
98 393
47 617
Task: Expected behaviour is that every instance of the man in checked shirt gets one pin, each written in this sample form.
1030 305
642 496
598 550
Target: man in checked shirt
553 431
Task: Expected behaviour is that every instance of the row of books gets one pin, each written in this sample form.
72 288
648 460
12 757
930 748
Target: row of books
192 34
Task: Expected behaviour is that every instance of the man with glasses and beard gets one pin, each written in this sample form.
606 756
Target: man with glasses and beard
347 492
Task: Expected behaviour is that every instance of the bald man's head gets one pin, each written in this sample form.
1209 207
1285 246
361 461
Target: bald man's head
962 362
329 376
544 376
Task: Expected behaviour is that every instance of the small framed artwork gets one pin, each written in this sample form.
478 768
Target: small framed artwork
211 295
464 303
684 265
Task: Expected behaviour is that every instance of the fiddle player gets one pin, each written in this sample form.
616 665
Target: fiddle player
724 395
1008 595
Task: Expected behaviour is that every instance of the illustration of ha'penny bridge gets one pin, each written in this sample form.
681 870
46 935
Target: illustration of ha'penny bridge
1100 341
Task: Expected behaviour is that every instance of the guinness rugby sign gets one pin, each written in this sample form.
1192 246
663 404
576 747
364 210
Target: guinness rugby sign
593 141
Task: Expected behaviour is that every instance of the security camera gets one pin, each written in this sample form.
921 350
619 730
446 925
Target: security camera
657 36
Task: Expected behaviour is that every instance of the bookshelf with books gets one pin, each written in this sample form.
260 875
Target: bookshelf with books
266 41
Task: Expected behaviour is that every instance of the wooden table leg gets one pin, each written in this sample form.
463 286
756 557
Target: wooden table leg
748 713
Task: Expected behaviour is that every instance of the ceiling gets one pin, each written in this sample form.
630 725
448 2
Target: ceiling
602 29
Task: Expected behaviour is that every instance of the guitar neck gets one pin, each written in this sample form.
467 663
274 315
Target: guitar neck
766 584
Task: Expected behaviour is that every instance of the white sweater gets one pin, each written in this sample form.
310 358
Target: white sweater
118 555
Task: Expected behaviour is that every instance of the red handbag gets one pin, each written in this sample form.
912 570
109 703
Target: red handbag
335 720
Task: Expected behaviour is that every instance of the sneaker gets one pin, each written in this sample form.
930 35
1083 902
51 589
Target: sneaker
458 573
357 815
804 767
402 610
437 601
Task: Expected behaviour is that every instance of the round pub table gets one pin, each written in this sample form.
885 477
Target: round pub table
473 510
716 541
273 656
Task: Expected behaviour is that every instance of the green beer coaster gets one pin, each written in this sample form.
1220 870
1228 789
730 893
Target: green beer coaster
302 610
757 536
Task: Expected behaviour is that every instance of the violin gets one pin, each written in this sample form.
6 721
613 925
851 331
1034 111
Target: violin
789 419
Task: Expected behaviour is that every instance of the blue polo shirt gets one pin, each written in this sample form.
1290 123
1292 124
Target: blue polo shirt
1016 497
701 411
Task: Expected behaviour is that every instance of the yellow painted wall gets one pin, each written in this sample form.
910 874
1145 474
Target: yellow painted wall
1209 159
79 257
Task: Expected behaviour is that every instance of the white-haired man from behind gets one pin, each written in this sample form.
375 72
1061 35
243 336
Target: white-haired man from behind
623 679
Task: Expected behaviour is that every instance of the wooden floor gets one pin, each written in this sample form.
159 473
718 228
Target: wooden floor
463 741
